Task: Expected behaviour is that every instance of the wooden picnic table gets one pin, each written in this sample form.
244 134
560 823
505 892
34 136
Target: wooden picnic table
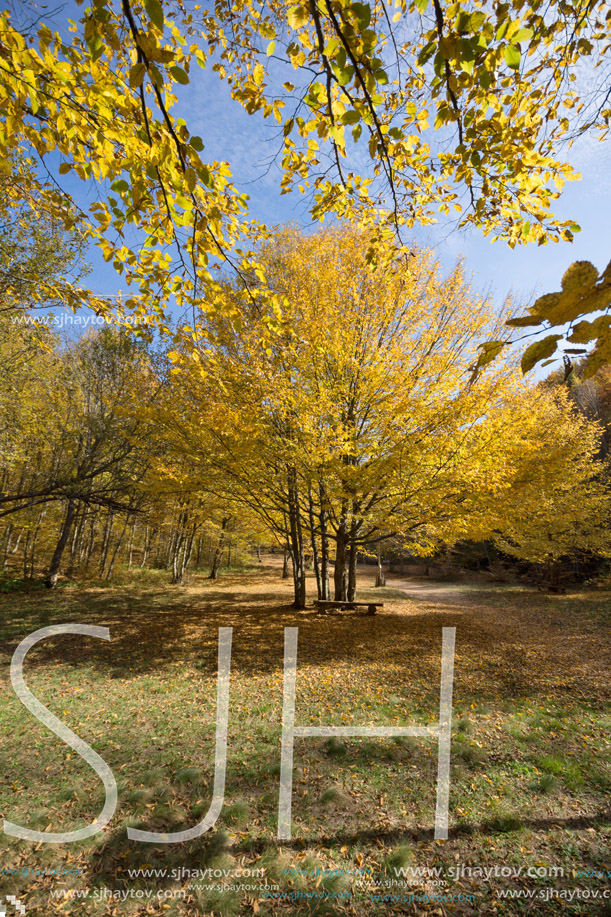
370 606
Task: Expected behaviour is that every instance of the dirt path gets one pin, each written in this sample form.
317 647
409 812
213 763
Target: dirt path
419 589
437 592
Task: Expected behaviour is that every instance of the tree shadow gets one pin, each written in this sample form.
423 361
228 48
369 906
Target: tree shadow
178 859
508 651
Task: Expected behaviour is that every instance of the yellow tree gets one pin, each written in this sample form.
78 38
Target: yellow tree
547 517
375 388
358 419
547 495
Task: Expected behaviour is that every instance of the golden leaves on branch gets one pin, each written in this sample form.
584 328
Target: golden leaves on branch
584 292
492 85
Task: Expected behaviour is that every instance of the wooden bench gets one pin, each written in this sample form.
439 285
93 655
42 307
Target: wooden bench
370 606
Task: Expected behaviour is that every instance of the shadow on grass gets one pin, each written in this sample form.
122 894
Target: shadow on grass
521 649
117 855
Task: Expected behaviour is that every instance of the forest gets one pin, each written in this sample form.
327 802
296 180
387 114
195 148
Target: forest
350 424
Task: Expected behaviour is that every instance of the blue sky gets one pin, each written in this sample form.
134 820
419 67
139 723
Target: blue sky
249 142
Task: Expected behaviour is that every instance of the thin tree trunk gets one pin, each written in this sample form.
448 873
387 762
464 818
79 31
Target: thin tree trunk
82 551
297 553
7 545
177 547
77 527
131 545
106 542
339 573
91 544
324 548
171 544
380 578
111 566
34 540
183 553
315 558
218 554
53 573
147 545
15 547
351 590
28 536
186 555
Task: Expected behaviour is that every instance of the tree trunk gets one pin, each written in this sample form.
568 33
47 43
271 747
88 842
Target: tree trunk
90 544
285 564
218 554
187 552
177 547
7 544
380 578
296 533
34 540
351 590
131 545
182 555
324 549
53 573
76 538
146 546
106 542
315 558
339 573
554 576
15 547
28 536
173 542
111 566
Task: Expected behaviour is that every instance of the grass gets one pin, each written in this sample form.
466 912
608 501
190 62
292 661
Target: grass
530 775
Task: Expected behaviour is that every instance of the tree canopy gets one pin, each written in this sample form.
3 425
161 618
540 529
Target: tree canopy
388 115
356 423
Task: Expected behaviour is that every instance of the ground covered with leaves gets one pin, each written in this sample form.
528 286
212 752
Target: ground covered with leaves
530 766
